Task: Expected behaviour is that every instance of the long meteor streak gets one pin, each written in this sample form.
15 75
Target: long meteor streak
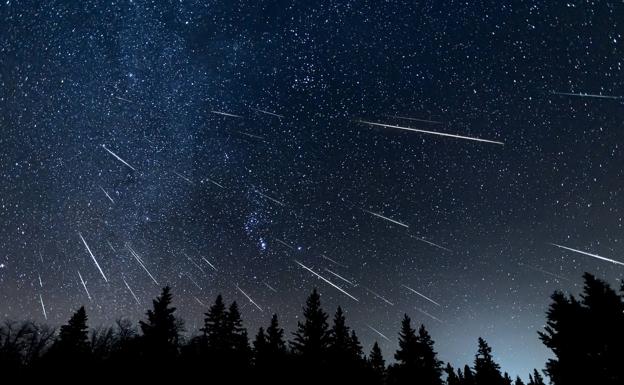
284 243
431 132
138 258
210 264
84 284
108 196
214 183
422 295
118 158
268 113
183 177
131 292
340 277
534 268
586 95
379 333
430 316
589 254
226 114
430 243
327 281
386 218
414 119
249 298
43 307
269 198
379 296
93 257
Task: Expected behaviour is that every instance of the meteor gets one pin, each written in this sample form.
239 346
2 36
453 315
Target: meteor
386 218
131 292
125 100
43 307
430 316
430 243
422 295
40 282
84 284
589 254
210 264
414 119
379 333
543 271
195 264
269 286
430 132
269 198
331 260
250 135
213 182
137 257
200 302
268 113
111 246
226 114
183 177
93 257
193 281
340 277
585 95
118 158
108 196
327 281
249 298
379 296
284 243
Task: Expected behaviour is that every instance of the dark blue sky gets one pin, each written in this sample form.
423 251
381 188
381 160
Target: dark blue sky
291 174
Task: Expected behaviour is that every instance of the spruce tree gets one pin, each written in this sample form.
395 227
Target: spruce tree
518 381
72 342
311 340
275 338
536 378
215 327
451 377
376 360
430 368
486 370
161 330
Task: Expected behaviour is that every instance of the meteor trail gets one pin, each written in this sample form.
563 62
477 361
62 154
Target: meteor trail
414 119
125 100
108 196
84 284
93 257
422 295
431 132
213 182
585 95
192 280
386 218
379 333
183 177
327 281
542 271
340 277
430 243
379 296
43 307
211 265
195 264
131 292
249 298
200 302
589 254
430 316
118 158
111 246
250 135
269 198
226 114
138 258
269 286
268 113
40 282
331 260
284 243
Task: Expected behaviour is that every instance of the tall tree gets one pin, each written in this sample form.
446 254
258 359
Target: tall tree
486 370
161 330
451 377
312 336
73 339
430 366
275 337
536 378
518 381
377 363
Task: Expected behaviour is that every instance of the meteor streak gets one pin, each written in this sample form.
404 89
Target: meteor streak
111 246
249 298
379 296
108 196
430 243
414 119
40 282
200 302
386 218
284 243
431 132
422 295
183 177
331 260
195 264
542 271
340 277
268 113
379 333
269 286
193 281
327 281
118 158
589 254
226 114
131 292
213 182
210 264
93 257
250 135
269 198
43 307
430 316
138 258
84 284
585 95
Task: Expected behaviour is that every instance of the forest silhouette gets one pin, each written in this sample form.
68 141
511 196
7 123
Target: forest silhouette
585 335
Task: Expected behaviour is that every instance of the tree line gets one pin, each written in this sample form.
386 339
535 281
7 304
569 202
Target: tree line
585 334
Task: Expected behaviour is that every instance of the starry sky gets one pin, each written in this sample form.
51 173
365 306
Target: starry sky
227 147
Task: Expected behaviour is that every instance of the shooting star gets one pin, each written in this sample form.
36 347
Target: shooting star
43 307
210 264
430 243
192 280
195 264
379 296
589 254
108 196
430 316
118 158
226 114
131 292
250 135
585 95
183 177
93 257
431 132
386 218
332 261
327 281
84 284
40 282
543 271
269 286
340 277
111 246
200 302
214 183
138 258
268 113
125 100
249 298
422 295
379 333
269 198
414 119
284 243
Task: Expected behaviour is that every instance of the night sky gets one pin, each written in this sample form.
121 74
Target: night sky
226 147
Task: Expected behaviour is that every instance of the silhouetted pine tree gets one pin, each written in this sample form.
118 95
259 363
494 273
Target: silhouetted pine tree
518 381
467 377
275 338
487 372
431 368
238 342
377 364
312 336
536 378
451 377
72 345
215 327
161 330
507 379
260 346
